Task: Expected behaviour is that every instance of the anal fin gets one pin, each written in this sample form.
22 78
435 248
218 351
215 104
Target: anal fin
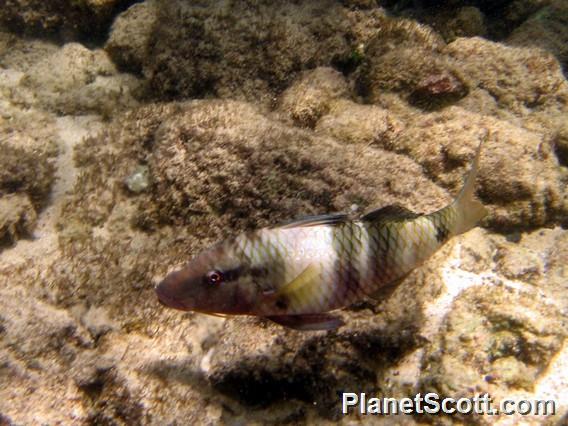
308 322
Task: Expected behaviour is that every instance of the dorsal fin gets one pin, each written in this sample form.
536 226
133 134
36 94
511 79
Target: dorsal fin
392 212
324 219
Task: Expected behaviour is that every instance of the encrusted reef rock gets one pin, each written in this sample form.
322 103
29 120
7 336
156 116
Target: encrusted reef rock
27 172
547 30
130 36
310 96
521 80
495 339
347 108
132 360
506 335
407 58
198 152
365 124
242 50
87 82
40 81
17 218
500 333
59 17
520 178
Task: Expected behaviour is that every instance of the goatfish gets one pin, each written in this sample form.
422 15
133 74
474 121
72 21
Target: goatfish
296 273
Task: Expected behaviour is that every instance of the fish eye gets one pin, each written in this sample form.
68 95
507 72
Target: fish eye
214 277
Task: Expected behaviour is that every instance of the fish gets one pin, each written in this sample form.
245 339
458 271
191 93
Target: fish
297 273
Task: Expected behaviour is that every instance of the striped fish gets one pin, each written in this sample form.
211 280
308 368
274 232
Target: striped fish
295 274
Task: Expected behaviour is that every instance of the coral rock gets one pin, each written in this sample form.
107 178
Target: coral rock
87 82
520 79
355 123
246 50
519 175
71 17
130 35
308 98
17 218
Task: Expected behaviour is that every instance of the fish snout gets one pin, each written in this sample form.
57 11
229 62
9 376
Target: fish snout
169 292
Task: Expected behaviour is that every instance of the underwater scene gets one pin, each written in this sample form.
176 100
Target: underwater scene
255 212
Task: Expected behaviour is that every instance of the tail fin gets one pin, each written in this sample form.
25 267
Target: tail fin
469 210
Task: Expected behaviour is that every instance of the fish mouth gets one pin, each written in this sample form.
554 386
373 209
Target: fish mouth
167 300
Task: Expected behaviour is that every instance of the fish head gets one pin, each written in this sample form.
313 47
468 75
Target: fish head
212 282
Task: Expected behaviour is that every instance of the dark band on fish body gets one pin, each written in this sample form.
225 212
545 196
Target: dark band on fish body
372 252
346 264
382 236
272 269
442 232
380 246
259 271
233 274
441 221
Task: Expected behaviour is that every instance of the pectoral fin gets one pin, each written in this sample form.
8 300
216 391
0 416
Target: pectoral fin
308 322
302 289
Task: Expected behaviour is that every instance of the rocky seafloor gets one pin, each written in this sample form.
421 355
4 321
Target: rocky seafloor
134 134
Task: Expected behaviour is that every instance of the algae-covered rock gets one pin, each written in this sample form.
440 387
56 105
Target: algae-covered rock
304 370
28 146
130 36
196 154
17 218
310 96
522 80
115 243
242 50
494 338
18 54
355 123
519 175
28 151
406 58
58 17
547 30
216 142
87 82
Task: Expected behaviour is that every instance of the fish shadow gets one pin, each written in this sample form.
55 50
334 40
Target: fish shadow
315 371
